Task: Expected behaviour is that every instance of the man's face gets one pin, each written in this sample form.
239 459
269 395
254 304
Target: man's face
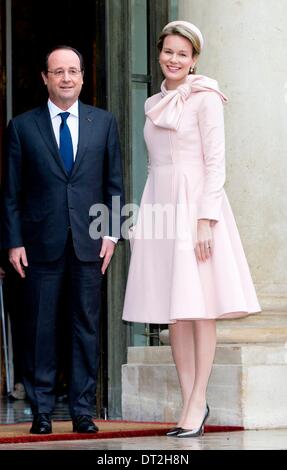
64 79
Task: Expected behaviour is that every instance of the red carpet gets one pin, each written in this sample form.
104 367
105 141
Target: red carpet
62 431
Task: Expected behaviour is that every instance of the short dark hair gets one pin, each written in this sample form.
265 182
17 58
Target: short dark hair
67 48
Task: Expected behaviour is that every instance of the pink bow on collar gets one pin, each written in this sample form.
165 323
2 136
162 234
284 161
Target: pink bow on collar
168 111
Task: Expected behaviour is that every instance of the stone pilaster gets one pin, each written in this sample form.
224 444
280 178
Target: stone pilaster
244 50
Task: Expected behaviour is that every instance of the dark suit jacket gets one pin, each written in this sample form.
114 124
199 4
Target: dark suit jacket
41 201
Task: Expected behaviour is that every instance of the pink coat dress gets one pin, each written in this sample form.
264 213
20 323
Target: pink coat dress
184 134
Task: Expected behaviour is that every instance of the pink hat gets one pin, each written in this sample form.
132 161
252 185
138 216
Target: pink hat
189 26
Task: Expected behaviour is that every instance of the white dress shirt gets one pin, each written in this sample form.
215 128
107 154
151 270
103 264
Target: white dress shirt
73 124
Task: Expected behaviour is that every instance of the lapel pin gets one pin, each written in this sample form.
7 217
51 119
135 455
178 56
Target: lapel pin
89 119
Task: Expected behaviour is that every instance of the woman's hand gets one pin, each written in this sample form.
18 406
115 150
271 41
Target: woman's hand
204 244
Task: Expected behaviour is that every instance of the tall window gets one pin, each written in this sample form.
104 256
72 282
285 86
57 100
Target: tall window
140 92
147 19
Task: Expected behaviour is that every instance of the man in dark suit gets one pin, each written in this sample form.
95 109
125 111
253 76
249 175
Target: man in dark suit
61 159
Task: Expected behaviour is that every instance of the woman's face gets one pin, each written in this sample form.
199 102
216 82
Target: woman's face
176 59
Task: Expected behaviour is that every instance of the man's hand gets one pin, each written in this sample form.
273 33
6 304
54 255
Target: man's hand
18 258
107 251
2 273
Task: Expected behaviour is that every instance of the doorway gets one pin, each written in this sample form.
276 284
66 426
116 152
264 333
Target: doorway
28 30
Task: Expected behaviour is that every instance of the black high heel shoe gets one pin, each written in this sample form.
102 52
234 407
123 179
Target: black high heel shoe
173 431
195 432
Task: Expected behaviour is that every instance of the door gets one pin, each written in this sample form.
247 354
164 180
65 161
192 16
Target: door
2 78
28 30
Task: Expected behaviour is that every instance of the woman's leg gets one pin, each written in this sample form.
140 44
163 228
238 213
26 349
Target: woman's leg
182 345
204 346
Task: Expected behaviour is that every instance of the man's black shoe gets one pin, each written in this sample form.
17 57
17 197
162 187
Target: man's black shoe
41 424
84 424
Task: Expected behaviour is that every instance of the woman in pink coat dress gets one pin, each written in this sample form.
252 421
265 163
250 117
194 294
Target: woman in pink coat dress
188 266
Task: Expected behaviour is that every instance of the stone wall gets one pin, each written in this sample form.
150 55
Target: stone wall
245 50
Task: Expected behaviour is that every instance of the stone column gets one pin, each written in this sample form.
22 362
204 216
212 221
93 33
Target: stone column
245 50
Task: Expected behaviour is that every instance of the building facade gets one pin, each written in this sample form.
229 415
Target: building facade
118 41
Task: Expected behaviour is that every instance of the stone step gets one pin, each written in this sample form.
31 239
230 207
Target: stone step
267 327
248 354
247 386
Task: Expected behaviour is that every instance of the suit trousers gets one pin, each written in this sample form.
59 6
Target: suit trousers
42 290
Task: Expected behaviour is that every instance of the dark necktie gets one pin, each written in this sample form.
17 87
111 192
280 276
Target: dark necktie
66 144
